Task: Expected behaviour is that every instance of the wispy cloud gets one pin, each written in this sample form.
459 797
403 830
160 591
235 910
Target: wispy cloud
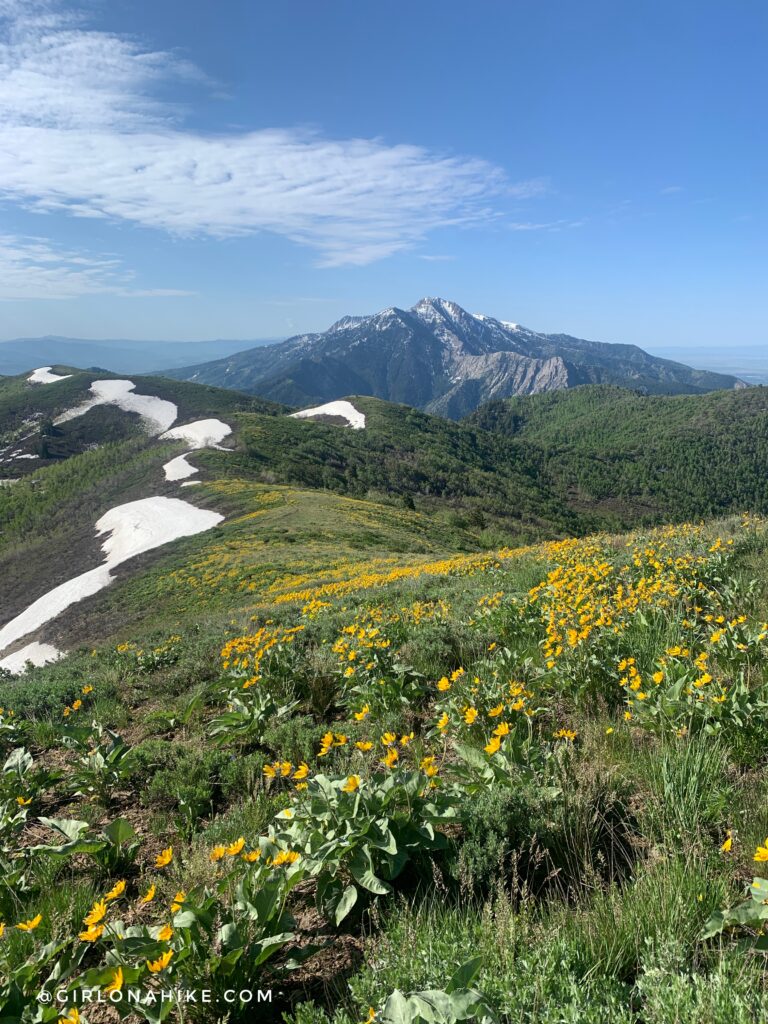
81 131
34 268
552 225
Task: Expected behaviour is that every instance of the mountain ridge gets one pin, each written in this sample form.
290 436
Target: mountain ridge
118 355
437 357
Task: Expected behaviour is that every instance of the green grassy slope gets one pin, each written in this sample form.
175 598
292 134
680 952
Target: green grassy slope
406 453
634 458
569 872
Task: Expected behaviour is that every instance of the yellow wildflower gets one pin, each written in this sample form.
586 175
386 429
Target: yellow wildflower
117 890
155 966
392 757
117 982
164 859
97 912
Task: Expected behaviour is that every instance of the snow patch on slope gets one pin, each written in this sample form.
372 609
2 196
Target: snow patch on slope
345 410
179 468
36 653
132 529
43 375
200 434
157 413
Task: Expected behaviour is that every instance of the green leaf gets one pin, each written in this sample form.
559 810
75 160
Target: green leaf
119 831
464 975
362 872
346 903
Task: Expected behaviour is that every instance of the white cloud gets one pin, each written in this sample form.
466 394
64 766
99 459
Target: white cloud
34 268
81 132
552 225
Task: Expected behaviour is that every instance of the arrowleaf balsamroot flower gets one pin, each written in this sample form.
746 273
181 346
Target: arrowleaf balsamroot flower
92 933
155 966
117 890
569 735
761 853
117 982
164 859
726 847
149 895
364 745
352 783
217 853
285 857
392 757
234 848
97 913
178 901
165 933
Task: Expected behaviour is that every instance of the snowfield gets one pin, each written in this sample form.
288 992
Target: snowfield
157 414
179 468
346 410
38 654
43 375
200 434
131 530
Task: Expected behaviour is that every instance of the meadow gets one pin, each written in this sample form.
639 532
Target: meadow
523 784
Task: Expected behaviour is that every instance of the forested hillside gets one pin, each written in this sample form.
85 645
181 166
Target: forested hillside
628 457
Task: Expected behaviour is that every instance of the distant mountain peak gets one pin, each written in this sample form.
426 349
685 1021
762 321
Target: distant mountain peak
438 357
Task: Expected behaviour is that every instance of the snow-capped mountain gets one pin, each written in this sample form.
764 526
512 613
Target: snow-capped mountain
440 358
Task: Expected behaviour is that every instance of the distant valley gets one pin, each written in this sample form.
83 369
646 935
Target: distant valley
117 355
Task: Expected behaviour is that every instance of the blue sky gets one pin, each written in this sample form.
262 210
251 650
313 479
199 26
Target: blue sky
250 169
